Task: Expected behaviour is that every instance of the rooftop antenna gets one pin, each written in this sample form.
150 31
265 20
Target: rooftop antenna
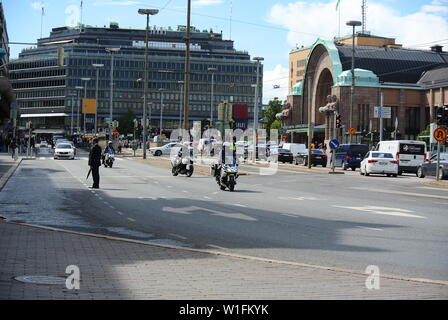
231 12
42 19
364 14
80 22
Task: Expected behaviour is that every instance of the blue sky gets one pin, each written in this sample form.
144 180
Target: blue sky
267 28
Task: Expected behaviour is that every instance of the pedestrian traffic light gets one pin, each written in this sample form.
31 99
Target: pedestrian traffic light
135 123
338 121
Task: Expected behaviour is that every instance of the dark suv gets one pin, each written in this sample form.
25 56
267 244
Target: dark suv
350 155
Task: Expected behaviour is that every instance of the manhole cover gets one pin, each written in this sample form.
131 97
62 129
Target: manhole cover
41 280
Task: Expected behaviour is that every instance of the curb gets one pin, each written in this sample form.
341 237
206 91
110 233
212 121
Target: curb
4 179
233 255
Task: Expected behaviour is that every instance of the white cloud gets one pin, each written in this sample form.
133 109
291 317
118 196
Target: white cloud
276 77
206 2
37 5
302 18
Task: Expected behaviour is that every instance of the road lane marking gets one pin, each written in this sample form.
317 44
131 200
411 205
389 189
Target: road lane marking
240 205
402 193
368 228
431 188
189 210
130 219
120 213
178 236
297 198
384 211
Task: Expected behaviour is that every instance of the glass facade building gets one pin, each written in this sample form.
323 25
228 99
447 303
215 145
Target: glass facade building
47 92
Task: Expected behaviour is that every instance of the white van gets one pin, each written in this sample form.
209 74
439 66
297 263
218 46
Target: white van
410 154
295 148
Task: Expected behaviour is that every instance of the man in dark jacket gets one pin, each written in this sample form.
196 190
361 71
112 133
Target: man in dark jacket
95 163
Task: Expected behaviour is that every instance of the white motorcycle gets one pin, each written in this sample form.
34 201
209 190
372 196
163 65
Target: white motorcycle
109 159
180 165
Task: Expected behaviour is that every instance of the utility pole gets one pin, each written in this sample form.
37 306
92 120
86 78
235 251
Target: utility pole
352 89
187 70
255 152
146 12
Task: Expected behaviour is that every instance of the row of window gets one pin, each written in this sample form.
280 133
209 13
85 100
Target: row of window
159 75
41 103
38 74
38 84
40 93
33 64
160 65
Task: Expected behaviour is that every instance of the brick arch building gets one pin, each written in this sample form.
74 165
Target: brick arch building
413 83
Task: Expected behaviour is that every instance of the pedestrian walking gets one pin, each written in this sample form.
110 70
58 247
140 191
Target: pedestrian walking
95 163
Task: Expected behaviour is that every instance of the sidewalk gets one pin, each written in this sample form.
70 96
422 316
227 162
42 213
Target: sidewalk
124 269
7 167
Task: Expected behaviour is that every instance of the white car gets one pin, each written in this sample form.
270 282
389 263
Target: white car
379 162
164 150
64 151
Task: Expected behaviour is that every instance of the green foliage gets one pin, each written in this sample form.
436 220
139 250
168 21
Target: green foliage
126 123
275 106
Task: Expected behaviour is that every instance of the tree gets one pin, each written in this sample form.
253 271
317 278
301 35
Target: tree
126 123
275 106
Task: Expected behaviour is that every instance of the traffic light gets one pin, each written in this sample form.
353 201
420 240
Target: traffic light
338 121
135 123
442 116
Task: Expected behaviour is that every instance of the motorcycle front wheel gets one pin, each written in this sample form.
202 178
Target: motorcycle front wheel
231 183
190 172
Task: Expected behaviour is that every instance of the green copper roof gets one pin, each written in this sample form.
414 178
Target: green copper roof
297 89
363 78
333 53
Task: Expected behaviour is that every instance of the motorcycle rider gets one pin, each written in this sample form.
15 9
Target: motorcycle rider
109 149
222 157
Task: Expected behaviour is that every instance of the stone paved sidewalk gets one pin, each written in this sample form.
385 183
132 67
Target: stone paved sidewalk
117 269
7 167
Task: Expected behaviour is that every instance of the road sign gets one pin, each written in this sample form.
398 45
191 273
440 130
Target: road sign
440 135
352 131
115 132
382 112
334 143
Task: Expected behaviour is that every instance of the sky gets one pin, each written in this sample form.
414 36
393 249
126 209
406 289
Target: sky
266 28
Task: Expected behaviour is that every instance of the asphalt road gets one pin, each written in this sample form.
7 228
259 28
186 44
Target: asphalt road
344 221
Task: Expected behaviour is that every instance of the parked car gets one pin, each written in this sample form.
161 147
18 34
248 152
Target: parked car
64 151
164 150
410 154
379 162
295 148
318 157
283 155
429 167
350 155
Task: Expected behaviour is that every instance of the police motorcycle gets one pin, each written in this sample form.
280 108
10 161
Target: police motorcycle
182 165
109 156
226 172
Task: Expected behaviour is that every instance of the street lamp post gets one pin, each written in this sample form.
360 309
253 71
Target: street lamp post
181 106
97 66
146 12
78 89
212 70
354 24
85 104
112 51
161 110
258 59
72 102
